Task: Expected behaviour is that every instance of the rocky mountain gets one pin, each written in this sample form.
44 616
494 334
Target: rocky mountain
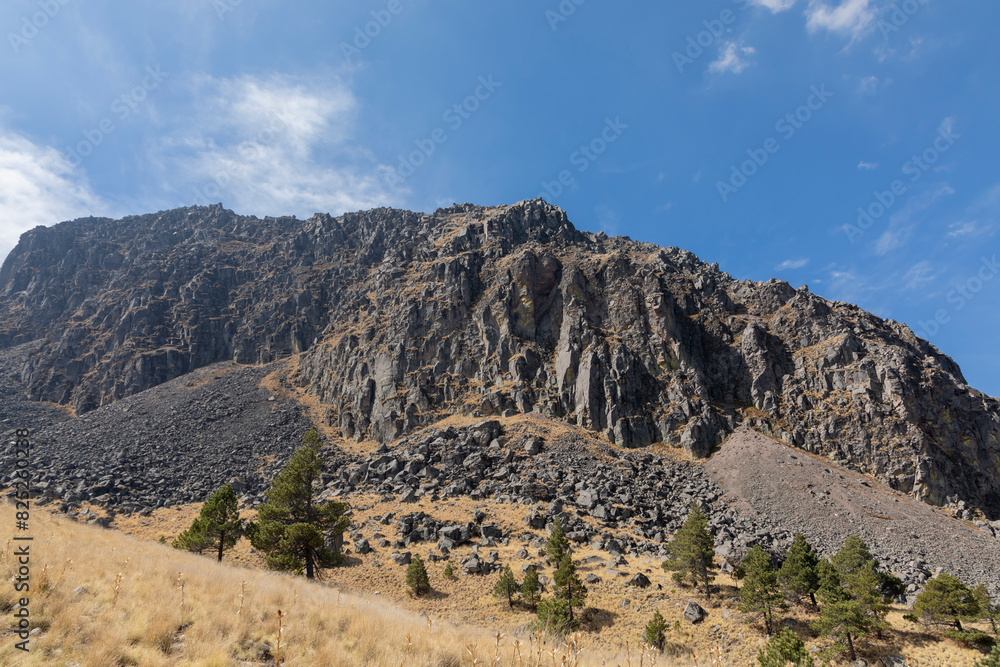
393 320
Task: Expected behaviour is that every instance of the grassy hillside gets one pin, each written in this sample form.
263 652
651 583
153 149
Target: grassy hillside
175 608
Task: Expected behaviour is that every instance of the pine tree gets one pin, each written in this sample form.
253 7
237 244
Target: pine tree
853 556
507 587
799 574
416 577
863 587
655 634
568 586
557 545
449 572
990 611
290 524
760 595
829 589
218 527
785 648
945 600
843 619
553 616
692 550
530 587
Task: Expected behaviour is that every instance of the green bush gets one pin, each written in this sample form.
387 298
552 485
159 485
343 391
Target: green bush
416 577
785 648
655 634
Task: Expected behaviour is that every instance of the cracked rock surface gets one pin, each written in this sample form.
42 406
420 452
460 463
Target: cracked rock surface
399 319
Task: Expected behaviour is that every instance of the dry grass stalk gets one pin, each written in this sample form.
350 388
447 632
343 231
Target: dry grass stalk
118 588
243 591
277 648
43 579
179 585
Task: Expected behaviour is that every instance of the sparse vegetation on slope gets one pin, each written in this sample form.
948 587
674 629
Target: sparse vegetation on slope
114 600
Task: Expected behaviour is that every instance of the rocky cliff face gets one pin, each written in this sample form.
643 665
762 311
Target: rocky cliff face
395 319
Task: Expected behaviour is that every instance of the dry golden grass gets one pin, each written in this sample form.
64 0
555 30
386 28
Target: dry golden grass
723 639
228 614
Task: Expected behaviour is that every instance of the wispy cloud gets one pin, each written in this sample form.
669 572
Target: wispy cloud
38 186
967 230
868 85
774 5
901 224
733 57
918 275
850 17
867 166
790 264
271 145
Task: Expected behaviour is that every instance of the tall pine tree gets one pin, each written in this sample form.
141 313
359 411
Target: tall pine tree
761 594
568 586
557 545
291 525
799 574
692 551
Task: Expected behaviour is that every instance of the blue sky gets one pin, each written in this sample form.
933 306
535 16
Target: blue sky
850 145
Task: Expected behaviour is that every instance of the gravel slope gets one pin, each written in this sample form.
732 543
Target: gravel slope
784 487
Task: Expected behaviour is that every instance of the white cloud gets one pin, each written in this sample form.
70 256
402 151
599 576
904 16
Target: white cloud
851 17
868 85
867 166
775 6
790 264
733 57
973 229
271 145
918 275
38 186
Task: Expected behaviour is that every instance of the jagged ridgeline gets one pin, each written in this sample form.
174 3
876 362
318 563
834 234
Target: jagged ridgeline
396 319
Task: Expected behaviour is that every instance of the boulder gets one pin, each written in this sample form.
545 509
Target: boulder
694 613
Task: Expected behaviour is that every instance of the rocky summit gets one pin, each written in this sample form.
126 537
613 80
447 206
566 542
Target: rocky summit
393 320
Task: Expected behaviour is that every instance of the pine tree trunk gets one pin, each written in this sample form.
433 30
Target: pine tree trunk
958 624
310 574
222 544
812 598
850 645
